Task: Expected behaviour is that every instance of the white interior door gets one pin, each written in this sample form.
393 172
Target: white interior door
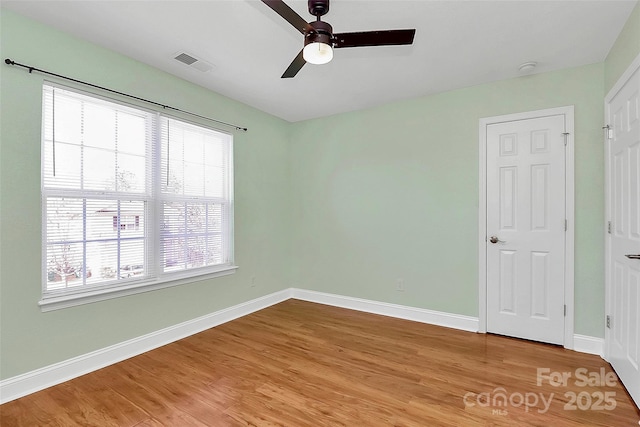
526 224
623 254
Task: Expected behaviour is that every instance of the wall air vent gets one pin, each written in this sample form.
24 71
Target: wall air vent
194 62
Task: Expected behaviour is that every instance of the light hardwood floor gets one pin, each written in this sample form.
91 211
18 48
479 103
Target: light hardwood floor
303 364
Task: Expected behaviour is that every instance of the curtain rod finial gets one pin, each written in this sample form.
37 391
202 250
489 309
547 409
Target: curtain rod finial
9 61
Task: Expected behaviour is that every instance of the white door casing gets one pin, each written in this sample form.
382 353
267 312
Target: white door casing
622 238
526 201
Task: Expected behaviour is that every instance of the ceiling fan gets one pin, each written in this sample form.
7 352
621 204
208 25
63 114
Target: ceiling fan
319 39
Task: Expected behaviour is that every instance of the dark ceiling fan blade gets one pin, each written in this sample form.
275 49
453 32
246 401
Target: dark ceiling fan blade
374 38
282 9
295 66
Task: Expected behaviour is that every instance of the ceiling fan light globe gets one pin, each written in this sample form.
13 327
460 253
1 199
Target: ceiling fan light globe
317 53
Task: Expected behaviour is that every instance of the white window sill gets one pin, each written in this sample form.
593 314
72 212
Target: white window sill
57 302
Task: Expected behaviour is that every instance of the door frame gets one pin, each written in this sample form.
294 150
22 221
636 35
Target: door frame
568 112
624 78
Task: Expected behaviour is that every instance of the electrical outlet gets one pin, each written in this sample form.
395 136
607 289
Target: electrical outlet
253 281
400 285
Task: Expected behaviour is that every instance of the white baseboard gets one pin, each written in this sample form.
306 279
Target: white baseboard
449 320
39 379
581 343
587 344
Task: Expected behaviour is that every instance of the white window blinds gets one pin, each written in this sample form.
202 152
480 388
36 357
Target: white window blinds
195 186
129 196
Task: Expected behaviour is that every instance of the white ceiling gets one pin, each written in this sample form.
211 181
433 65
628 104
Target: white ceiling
457 44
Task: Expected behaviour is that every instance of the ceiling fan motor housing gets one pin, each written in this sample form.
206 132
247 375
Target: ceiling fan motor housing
318 7
323 33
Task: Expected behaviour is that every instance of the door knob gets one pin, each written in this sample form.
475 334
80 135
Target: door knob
630 256
494 239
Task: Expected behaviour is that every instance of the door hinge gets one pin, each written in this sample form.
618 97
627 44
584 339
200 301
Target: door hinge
608 321
608 132
565 135
565 310
565 225
609 227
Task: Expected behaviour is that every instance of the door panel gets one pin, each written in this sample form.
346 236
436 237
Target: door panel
507 282
526 212
508 198
540 285
539 197
623 293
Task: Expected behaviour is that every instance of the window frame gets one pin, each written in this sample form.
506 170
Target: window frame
153 197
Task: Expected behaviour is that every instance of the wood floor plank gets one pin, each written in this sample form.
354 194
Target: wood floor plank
302 364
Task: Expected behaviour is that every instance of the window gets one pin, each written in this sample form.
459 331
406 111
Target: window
124 222
131 198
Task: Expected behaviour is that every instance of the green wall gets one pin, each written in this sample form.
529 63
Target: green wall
31 339
346 204
624 50
392 192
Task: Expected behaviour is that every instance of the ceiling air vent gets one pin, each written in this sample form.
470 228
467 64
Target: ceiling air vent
191 61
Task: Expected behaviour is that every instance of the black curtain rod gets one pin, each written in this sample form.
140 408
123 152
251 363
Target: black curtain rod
32 69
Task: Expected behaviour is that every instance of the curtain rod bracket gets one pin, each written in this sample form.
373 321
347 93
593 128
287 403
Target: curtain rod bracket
31 69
